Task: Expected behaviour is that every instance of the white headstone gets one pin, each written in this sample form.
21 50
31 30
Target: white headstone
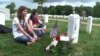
6 12
46 18
89 24
73 27
2 18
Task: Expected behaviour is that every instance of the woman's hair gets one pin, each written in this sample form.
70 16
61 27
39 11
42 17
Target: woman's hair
19 12
33 14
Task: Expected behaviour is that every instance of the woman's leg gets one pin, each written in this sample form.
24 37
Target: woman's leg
39 33
24 39
35 36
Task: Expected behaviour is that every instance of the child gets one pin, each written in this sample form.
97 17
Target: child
36 24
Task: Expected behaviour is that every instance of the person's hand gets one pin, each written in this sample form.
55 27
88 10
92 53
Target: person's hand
35 26
43 29
31 38
35 36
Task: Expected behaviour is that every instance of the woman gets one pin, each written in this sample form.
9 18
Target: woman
36 24
19 26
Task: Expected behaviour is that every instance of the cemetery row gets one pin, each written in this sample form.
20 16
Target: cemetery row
73 24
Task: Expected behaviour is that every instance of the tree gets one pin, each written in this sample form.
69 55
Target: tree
51 10
82 10
78 10
96 10
40 9
45 10
29 10
59 9
88 10
68 9
40 3
11 7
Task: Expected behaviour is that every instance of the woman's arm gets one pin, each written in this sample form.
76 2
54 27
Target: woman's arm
32 26
30 29
22 30
40 21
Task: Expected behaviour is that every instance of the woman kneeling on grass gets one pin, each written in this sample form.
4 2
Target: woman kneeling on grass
36 24
19 26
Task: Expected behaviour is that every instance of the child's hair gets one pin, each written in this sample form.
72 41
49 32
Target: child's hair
33 14
19 12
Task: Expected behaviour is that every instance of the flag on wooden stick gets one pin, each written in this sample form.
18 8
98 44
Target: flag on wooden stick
54 30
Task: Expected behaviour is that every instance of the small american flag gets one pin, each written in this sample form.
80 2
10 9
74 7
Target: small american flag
54 31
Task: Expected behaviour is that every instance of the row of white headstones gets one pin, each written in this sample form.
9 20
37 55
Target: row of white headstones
73 25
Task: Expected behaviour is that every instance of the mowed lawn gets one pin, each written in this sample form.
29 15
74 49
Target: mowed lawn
88 45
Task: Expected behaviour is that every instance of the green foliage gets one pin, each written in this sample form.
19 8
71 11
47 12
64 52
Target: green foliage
58 10
11 7
67 9
29 10
96 10
78 10
45 9
40 2
40 9
89 11
52 10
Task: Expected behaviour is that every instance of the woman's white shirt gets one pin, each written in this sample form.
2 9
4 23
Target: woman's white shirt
16 32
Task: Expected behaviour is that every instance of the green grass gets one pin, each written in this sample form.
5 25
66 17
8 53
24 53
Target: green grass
88 45
97 21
